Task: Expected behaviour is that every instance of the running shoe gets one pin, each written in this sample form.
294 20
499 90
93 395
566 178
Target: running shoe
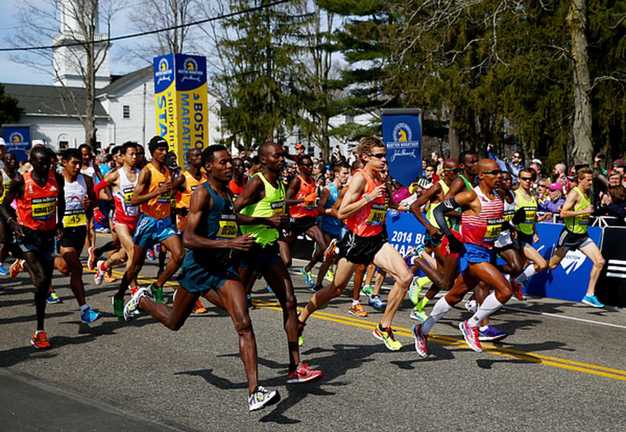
130 309
421 341
592 301
386 335
150 256
414 290
471 336
471 305
100 272
268 289
16 268
53 297
377 303
108 277
3 270
357 310
157 293
517 290
39 340
367 290
303 374
118 307
330 275
491 334
89 315
308 279
261 397
330 250
315 288
199 309
91 258
418 315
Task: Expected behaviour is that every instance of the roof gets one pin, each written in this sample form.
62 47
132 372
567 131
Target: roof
50 99
121 82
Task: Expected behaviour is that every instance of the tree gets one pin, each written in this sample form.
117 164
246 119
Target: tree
10 112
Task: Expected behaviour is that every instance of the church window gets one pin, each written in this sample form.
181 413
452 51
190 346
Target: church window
126 111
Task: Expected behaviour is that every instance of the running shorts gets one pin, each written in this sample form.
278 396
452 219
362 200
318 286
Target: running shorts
40 243
261 257
524 239
474 254
360 250
196 278
151 231
571 241
301 224
74 237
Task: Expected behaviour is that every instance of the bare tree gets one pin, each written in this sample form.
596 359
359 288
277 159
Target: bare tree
73 27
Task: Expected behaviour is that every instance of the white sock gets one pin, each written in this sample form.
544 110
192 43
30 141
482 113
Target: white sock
526 274
439 310
84 307
355 302
489 306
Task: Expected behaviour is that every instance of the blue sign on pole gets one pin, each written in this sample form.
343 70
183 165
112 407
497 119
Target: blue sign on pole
402 135
17 139
404 232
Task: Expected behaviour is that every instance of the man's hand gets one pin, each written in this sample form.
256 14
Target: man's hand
433 231
376 193
16 228
242 243
278 221
164 188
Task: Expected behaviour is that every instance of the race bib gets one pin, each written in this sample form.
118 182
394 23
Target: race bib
377 215
44 208
278 207
531 214
508 215
74 220
228 227
494 228
164 198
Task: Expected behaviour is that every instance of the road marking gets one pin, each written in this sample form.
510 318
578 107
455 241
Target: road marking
564 317
561 363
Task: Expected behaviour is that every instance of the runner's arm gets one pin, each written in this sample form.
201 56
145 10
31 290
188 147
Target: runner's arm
109 180
60 202
253 192
421 201
15 191
460 200
292 190
351 203
143 182
570 203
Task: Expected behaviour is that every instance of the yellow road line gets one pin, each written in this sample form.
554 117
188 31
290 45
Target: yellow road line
573 365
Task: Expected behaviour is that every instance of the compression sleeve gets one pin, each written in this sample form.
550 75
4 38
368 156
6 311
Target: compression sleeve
439 213
100 186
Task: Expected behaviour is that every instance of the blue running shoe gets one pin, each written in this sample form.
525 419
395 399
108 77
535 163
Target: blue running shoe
89 315
308 279
592 301
377 303
491 334
53 298
3 270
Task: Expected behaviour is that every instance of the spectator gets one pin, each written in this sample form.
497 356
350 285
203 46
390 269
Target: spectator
598 164
536 165
615 178
555 202
618 165
615 206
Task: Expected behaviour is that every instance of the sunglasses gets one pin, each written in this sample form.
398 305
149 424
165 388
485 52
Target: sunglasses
378 155
526 178
493 172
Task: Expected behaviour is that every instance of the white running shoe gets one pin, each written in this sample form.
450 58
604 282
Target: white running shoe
100 272
132 306
262 397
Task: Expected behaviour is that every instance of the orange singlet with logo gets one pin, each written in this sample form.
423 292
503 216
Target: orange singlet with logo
370 219
160 206
183 199
308 193
37 209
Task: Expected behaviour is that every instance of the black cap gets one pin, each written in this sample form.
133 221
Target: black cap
157 141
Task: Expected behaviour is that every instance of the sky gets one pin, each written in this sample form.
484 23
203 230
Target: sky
20 73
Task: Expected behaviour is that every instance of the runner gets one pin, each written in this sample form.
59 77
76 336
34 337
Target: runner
8 174
239 180
79 200
153 193
122 181
481 223
363 208
39 196
264 200
575 213
210 267
304 208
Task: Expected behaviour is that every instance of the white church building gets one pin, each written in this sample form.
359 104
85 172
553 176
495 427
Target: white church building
124 103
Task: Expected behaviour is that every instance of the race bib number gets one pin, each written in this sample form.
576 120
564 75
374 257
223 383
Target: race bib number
278 207
75 220
164 198
494 228
508 215
228 227
531 214
44 208
377 215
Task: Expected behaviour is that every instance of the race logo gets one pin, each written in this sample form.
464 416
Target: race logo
16 138
402 133
190 71
165 73
572 261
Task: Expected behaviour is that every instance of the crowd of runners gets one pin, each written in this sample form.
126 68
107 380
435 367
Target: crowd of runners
224 222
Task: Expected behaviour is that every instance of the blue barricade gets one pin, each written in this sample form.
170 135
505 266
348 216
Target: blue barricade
567 282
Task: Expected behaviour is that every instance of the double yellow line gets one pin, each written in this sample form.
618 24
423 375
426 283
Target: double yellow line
572 365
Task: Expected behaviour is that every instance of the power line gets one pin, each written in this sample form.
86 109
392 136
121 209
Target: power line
135 35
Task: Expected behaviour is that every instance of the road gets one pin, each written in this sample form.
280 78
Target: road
563 368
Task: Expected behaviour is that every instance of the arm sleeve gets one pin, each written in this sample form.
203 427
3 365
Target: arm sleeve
440 215
99 186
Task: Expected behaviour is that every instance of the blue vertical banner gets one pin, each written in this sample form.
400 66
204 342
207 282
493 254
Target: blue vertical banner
17 139
402 135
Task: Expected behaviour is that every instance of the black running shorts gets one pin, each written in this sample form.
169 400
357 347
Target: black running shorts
572 241
360 250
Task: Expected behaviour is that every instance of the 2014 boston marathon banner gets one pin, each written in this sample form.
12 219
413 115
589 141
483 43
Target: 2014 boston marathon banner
180 102
17 139
402 135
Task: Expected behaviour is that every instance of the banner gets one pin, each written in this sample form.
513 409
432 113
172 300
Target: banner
611 287
404 232
180 92
17 139
402 135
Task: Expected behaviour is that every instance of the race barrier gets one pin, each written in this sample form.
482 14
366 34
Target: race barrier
567 282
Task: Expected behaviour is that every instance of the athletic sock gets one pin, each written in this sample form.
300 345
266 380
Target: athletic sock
84 307
439 310
526 274
421 304
489 306
355 302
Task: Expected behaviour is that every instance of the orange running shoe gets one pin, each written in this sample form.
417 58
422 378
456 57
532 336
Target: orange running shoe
199 308
39 340
16 268
357 310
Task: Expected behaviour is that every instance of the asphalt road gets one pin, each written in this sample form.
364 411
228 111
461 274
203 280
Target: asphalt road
562 369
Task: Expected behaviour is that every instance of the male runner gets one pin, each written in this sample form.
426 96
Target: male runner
122 181
304 208
575 213
213 242
8 174
239 180
153 192
363 208
79 201
481 224
39 196
263 198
